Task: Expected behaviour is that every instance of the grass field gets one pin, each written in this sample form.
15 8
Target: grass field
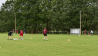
58 45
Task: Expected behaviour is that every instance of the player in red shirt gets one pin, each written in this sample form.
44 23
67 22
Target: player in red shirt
84 32
21 34
45 33
17 31
89 33
13 30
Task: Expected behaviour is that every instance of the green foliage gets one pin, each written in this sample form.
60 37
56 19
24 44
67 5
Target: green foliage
53 14
7 16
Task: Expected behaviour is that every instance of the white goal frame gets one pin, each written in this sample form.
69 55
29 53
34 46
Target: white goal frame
74 31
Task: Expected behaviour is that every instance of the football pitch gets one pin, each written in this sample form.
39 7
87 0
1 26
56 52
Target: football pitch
57 45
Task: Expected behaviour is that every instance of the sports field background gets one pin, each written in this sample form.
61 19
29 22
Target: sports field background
58 45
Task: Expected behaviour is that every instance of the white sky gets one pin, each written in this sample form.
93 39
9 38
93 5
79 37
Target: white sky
2 1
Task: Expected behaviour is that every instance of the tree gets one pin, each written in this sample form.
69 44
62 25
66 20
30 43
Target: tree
7 16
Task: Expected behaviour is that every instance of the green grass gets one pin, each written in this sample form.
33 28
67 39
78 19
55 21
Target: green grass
58 45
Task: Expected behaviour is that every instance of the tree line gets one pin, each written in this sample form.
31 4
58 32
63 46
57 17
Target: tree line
60 15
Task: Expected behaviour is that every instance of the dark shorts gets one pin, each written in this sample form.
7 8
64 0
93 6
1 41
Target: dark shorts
45 34
9 34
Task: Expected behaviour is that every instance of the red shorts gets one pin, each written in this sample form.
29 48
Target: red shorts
21 34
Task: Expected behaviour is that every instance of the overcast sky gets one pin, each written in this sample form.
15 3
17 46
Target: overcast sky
2 1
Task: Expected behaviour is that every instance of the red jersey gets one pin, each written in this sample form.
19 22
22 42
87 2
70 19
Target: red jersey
89 31
13 30
45 31
21 32
85 31
17 30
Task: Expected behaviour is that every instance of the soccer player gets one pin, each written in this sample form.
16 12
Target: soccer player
10 34
24 31
45 33
21 34
84 32
91 32
13 30
17 31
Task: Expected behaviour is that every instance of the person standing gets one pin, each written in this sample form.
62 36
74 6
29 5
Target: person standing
13 31
17 31
91 32
24 31
45 33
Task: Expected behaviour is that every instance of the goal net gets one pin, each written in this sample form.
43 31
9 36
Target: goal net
74 31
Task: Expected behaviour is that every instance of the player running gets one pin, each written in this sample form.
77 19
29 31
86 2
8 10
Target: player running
21 34
10 34
45 33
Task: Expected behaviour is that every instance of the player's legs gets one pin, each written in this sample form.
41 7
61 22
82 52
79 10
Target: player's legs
8 38
85 34
22 36
24 32
46 38
88 34
11 37
92 34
